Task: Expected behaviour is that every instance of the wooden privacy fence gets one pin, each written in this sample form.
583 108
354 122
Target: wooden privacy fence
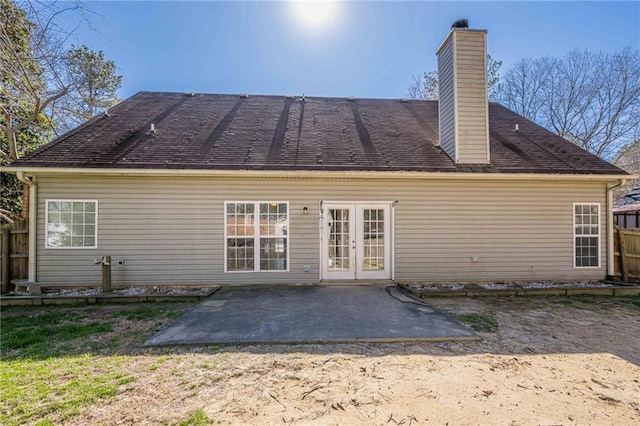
14 265
626 244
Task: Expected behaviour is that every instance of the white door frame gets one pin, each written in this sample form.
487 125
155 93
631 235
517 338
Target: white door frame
356 270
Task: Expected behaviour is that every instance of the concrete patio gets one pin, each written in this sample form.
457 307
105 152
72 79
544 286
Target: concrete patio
305 314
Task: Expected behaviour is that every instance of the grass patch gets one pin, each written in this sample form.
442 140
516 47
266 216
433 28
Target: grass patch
563 300
55 389
199 418
46 334
586 298
630 300
479 322
50 369
148 311
40 332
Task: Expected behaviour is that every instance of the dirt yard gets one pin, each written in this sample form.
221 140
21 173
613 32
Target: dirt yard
551 361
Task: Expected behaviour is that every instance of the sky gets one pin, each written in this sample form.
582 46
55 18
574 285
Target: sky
344 49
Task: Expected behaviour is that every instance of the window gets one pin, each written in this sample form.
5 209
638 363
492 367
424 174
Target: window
256 236
586 229
71 224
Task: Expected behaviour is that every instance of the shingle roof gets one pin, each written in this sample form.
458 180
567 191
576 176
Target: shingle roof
231 132
630 201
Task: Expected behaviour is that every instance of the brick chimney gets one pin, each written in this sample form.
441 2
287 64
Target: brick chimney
463 106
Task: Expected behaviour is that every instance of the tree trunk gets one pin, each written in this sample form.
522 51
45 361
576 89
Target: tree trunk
25 201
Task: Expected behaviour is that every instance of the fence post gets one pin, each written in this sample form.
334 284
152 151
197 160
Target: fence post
106 274
622 244
6 263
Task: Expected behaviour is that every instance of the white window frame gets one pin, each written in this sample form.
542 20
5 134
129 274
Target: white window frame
573 212
257 237
46 224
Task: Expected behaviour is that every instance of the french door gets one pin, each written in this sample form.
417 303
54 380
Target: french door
356 241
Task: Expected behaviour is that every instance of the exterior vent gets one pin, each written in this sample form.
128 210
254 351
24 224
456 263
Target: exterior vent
244 96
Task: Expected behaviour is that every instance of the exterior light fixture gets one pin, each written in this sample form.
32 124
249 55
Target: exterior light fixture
305 210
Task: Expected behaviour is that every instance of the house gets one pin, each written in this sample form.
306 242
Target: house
201 189
626 210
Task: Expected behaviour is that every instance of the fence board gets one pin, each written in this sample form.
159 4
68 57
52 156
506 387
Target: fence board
627 253
15 254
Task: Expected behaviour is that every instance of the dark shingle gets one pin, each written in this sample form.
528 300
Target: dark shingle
208 131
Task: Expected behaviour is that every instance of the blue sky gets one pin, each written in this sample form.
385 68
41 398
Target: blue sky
366 49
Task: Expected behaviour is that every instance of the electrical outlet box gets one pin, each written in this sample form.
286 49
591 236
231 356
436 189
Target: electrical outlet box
306 268
120 263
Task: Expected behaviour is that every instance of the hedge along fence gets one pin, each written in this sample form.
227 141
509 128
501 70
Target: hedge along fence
627 254
14 263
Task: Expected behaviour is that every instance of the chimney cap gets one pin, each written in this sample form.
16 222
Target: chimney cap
461 23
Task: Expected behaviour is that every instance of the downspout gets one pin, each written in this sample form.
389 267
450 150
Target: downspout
33 215
610 253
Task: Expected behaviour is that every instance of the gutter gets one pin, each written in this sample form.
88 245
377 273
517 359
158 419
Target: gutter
313 174
610 251
33 214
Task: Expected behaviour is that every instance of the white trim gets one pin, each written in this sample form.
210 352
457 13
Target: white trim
320 239
31 182
350 274
46 223
486 97
384 273
392 253
317 174
257 237
355 273
456 116
598 236
609 206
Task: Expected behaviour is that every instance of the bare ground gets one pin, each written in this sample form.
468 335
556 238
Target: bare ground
552 361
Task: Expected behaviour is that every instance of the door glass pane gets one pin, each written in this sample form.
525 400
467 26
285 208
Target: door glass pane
373 245
338 243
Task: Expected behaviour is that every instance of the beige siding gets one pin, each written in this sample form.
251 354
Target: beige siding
446 103
471 92
463 97
170 230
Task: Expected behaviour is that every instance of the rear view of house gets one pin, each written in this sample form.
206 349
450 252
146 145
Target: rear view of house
203 189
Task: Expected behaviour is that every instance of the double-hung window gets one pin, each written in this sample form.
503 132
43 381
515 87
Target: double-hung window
71 224
586 235
256 236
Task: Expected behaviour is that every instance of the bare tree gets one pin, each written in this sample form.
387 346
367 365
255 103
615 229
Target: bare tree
31 50
33 36
591 99
426 87
521 87
628 159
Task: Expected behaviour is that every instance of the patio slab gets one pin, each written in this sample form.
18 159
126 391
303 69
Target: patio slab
306 314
